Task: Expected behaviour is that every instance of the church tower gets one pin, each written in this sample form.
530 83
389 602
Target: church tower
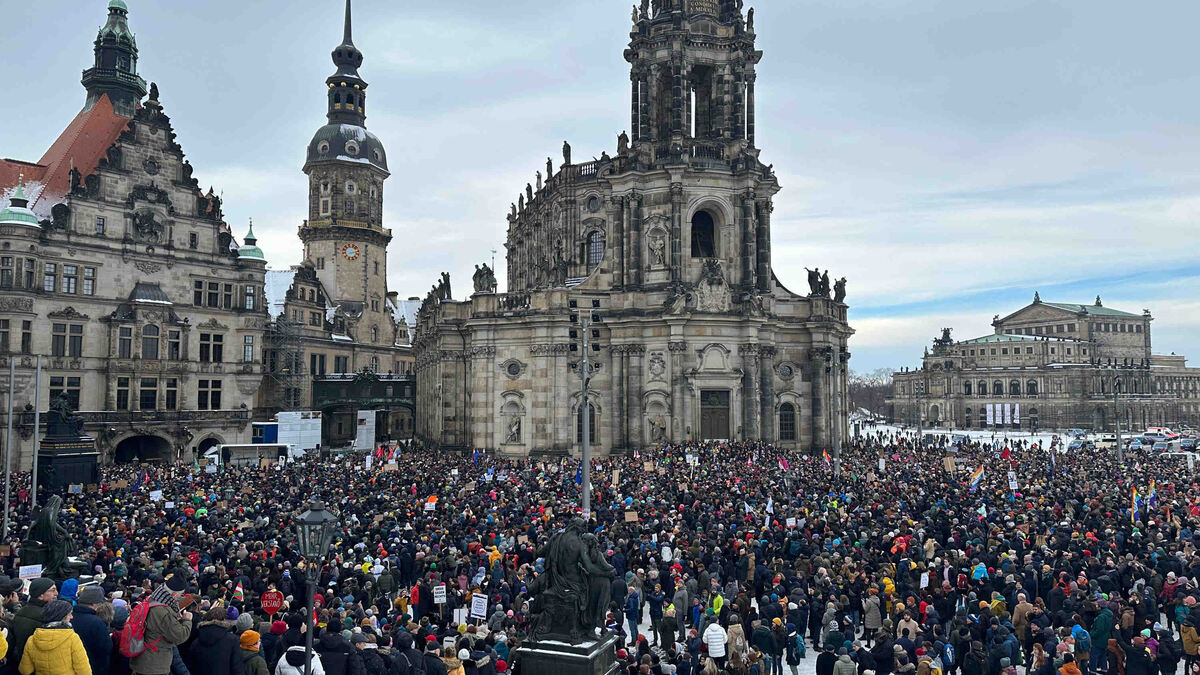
115 70
344 237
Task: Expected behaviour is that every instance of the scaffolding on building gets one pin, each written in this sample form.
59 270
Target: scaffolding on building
285 367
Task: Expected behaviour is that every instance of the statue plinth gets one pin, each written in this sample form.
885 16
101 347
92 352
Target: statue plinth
554 657
66 456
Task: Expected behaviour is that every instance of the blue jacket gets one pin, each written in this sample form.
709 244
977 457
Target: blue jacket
633 606
96 638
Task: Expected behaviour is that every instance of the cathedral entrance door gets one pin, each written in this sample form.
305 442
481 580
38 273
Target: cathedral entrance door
714 415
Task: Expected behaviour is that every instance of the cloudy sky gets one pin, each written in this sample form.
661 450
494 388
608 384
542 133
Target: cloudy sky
949 158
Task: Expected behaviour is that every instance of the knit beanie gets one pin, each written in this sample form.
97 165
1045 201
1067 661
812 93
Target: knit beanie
55 610
245 622
250 640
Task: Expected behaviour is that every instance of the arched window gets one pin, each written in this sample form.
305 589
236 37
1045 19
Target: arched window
591 424
1031 388
983 388
967 388
337 97
787 422
595 248
1014 388
704 236
374 333
150 342
967 425
998 388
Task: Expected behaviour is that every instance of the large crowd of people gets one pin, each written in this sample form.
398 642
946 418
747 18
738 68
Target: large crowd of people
896 558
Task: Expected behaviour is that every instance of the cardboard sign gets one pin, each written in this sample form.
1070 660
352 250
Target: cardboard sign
5 550
439 594
156 495
379 519
479 606
948 464
30 571
121 484
75 489
272 602
92 487
616 476
631 516
522 539
647 466
391 467
222 505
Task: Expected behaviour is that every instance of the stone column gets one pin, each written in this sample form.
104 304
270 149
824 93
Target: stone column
763 259
644 107
616 217
677 231
751 401
654 105
676 98
820 430
635 105
749 240
635 241
750 108
739 106
636 354
767 392
678 386
620 440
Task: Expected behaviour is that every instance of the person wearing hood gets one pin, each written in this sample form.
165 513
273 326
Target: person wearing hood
29 617
252 661
339 657
214 650
844 665
55 649
406 660
292 663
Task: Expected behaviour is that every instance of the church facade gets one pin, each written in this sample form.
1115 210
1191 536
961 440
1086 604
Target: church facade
122 275
667 246
1051 365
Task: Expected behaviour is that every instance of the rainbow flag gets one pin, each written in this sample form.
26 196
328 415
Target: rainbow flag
1134 505
1153 497
976 477
828 461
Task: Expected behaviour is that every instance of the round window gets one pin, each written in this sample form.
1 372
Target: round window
378 156
514 369
352 148
786 372
323 147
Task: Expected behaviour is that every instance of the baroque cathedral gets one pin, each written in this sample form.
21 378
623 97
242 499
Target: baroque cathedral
666 245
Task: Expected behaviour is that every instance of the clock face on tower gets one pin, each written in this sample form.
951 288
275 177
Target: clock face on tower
351 251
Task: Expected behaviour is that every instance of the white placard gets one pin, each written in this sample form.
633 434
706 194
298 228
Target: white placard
791 522
439 594
369 460
479 606
30 571
169 505
924 579
211 468
460 615
156 495
429 506
882 465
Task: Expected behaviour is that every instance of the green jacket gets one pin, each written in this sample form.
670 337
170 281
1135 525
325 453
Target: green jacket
1101 628
254 663
169 629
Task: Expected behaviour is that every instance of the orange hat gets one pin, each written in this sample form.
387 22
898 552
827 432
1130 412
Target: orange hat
250 640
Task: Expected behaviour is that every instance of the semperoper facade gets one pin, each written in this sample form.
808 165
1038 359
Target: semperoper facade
1051 365
669 242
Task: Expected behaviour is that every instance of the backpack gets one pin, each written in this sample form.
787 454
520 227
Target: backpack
1083 643
133 636
948 655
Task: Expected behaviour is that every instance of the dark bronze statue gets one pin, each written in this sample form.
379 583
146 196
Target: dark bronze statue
47 543
568 595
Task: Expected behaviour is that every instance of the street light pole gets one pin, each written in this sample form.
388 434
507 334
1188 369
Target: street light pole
585 377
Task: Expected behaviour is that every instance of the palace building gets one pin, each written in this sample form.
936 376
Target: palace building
1051 365
121 273
667 243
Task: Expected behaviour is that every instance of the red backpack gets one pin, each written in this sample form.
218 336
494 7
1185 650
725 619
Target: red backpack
133 636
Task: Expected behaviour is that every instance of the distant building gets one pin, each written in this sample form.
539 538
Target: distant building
1051 365
669 242
121 272
332 317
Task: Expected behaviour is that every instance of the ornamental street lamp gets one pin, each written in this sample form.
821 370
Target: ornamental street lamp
314 530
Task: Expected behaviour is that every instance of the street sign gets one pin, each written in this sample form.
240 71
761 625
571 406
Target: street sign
272 602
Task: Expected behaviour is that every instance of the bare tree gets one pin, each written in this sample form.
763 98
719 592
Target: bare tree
870 391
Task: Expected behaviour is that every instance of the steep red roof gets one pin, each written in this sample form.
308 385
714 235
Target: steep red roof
82 144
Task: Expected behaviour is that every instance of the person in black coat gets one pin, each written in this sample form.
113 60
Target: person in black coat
337 656
214 650
406 659
92 630
434 665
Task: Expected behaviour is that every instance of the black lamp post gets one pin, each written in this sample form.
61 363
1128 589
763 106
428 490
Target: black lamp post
314 530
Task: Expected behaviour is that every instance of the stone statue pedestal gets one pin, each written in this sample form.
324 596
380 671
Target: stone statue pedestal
66 455
597 656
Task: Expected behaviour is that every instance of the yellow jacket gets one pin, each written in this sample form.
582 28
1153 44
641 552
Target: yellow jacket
55 651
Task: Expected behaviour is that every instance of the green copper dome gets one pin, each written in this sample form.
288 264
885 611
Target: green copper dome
248 250
17 212
118 4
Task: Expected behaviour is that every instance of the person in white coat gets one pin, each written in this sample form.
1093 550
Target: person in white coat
714 638
292 663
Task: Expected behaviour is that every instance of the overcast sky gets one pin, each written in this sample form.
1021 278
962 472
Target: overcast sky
949 158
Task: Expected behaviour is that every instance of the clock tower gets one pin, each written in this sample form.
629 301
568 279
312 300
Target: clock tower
346 165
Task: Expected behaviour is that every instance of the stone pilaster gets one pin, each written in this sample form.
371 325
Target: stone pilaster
677 231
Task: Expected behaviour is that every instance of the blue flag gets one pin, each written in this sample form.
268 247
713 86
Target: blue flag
475 456
579 474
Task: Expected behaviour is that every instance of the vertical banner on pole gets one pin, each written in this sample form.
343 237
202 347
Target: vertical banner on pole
1017 414
990 415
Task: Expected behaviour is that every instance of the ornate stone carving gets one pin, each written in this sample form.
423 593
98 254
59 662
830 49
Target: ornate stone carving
512 368
12 304
712 292
677 347
549 350
148 267
213 324
785 371
631 348
658 367
146 228
482 352
69 313
657 244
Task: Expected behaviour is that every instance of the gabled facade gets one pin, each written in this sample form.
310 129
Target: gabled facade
148 316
